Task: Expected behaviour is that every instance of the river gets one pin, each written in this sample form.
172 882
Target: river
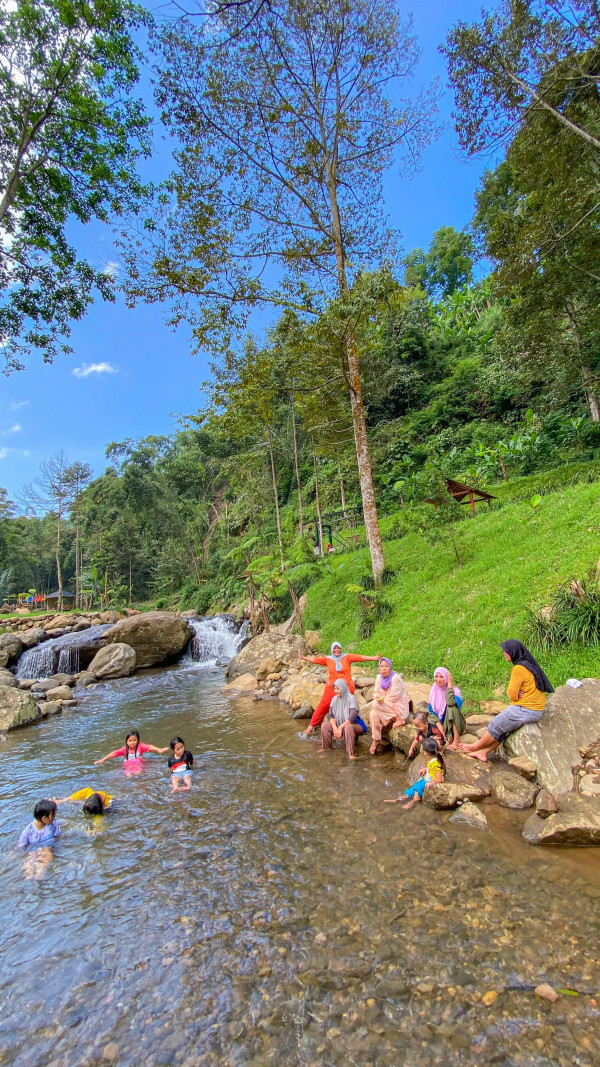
279 913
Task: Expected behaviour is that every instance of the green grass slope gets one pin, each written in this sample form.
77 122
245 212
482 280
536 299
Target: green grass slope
514 559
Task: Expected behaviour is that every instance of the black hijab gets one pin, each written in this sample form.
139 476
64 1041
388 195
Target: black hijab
521 657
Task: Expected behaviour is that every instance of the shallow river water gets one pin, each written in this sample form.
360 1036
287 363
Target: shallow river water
279 913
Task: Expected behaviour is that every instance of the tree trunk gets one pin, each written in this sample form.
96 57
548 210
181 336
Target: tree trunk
296 603
265 612
59 577
252 607
363 458
342 494
130 581
503 467
77 570
318 505
276 498
297 469
590 393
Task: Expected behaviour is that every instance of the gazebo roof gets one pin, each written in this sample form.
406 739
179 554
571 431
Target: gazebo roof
463 494
64 594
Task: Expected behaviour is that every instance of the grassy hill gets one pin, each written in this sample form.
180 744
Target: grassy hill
514 559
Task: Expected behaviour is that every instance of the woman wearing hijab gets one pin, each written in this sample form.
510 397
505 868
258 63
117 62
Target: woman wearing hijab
390 702
338 667
445 702
343 720
527 690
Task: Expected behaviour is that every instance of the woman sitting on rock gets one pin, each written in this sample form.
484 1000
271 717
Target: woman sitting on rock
445 702
390 702
343 720
338 667
527 690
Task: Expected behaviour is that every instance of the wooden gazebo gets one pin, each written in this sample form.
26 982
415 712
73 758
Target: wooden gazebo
463 494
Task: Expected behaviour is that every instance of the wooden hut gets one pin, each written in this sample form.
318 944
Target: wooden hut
53 600
463 494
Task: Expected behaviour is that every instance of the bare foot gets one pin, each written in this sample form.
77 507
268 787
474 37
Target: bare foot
396 801
373 748
184 789
352 757
464 748
477 755
453 747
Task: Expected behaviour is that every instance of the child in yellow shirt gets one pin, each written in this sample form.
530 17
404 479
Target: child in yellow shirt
434 772
95 801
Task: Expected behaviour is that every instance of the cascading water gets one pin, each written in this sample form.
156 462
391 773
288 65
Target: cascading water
215 639
62 655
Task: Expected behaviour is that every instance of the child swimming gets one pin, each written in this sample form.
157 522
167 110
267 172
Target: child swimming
434 772
132 752
96 801
44 829
180 762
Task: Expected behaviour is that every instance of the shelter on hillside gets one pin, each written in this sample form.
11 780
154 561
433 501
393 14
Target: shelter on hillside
463 494
53 600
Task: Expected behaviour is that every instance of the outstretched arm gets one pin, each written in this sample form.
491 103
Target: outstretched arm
111 755
153 748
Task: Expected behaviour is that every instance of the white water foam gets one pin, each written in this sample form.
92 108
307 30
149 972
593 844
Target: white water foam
215 640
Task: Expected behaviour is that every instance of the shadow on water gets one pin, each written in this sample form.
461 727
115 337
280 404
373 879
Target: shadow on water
280 912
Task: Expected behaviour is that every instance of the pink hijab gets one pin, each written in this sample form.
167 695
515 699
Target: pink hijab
437 693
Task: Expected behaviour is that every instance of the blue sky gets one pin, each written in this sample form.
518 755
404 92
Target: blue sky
147 374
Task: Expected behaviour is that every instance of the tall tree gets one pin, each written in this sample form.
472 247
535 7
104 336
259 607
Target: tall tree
524 59
52 491
78 475
70 134
445 267
286 132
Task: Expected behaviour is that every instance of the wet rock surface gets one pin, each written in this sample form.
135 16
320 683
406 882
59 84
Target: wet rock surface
576 824
470 815
114 661
511 790
17 708
279 647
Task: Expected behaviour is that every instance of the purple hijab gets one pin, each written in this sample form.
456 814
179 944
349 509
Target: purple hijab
437 693
385 683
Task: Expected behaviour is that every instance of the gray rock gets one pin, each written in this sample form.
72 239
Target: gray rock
402 738
113 661
59 692
26 683
571 721
470 814
512 791
4 657
51 707
17 708
545 804
155 636
444 795
305 712
576 824
31 638
45 684
7 678
523 766
84 678
284 648
12 645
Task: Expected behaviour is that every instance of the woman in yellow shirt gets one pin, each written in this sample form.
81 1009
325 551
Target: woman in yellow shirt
527 690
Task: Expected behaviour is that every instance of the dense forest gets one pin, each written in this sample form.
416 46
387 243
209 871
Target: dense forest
382 373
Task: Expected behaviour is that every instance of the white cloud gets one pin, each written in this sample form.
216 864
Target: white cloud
94 368
18 404
16 428
4 452
112 269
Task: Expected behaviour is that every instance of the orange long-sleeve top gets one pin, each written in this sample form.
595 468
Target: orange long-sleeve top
334 675
523 691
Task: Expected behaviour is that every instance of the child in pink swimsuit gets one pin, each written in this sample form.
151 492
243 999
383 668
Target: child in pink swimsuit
132 752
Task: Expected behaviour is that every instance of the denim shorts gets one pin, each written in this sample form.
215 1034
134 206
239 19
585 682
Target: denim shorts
182 772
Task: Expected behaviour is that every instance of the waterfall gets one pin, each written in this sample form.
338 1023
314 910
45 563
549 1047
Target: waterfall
214 639
60 655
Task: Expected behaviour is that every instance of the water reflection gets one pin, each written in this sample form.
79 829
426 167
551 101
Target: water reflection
279 913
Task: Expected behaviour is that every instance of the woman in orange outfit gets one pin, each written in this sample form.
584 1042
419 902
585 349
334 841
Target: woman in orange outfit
338 666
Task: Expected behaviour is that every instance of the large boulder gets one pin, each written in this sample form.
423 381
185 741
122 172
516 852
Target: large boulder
17 708
402 738
60 692
155 636
32 637
268 666
4 657
113 661
60 622
570 721
513 791
576 824
8 678
243 683
283 647
12 645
